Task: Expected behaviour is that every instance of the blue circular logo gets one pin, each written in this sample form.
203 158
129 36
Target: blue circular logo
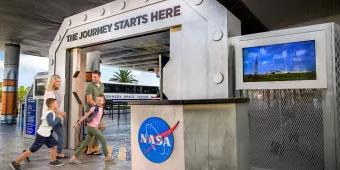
156 139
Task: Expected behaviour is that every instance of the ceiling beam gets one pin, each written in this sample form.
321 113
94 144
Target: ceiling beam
135 59
137 64
250 23
110 57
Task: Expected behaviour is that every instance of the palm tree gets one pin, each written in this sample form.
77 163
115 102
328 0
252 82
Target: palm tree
124 76
22 91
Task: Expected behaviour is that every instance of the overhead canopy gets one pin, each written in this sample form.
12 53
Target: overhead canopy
34 23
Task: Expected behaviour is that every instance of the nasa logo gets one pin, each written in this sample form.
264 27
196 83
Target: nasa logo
156 139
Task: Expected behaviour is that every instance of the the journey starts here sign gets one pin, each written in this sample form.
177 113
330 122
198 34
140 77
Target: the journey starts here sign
127 23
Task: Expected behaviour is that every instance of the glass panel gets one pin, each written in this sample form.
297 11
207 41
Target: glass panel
40 87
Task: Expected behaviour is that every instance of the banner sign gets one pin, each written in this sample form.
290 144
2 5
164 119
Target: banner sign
30 128
127 23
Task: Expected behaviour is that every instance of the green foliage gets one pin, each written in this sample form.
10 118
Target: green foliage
124 76
280 77
22 91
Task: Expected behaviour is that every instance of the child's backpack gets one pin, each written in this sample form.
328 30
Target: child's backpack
94 114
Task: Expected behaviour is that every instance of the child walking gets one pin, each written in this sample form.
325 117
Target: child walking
43 136
52 91
94 116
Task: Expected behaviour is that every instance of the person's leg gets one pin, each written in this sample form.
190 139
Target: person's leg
90 146
95 148
60 139
83 144
52 143
38 142
23 156
74 158
53 152
16 163
98 134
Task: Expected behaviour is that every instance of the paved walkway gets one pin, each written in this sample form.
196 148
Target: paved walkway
12 143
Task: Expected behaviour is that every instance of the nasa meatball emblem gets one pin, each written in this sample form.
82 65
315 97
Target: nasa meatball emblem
156 139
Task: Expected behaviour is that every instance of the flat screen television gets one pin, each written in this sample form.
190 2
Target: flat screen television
280 62
294 58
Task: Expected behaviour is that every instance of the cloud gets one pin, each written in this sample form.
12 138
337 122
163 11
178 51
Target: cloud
301 52
284 54
297 59
136 73
248 62
277 57
33 64
29 66
251 55
263 51
146 78
1 69
265 62
297 68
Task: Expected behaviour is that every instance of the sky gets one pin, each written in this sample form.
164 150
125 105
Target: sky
289 57
31 65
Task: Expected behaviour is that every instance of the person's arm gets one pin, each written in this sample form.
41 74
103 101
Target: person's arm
52 120
89 100
84 117
88 96
61 114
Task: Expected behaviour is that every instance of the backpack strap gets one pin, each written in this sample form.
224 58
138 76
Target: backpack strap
96 110
102 115
94 114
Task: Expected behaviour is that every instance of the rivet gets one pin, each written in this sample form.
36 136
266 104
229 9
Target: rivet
122 5
198 2
103 12
70 23
52 62
85 17
59 38
218 78
218 35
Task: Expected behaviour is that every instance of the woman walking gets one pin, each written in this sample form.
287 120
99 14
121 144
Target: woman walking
52 91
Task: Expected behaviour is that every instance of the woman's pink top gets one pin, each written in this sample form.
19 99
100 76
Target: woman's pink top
96 120
51 94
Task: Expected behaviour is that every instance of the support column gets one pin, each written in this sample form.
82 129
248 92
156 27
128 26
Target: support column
9 110
76 100
92 63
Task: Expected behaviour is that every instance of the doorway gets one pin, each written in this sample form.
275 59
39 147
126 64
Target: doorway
145 54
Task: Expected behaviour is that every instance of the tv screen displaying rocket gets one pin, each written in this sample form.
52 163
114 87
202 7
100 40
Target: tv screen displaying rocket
280 62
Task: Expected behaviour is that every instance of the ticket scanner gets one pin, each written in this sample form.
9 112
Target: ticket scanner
34 104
